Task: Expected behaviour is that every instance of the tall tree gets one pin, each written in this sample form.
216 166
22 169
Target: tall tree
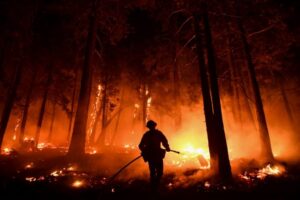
266 148
43 105
11 96
208 112
26 106
223 158
77 145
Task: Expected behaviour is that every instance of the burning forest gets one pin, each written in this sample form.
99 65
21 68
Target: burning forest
88 88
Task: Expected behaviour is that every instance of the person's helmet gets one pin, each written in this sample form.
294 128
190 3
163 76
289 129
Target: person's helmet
151 124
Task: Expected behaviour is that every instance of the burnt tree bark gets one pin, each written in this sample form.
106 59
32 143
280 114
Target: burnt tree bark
118 118
208 112
77 144
43 106
95 125
102 136
287 106
50 134
266 148
223 158
26 107
11 96
72 105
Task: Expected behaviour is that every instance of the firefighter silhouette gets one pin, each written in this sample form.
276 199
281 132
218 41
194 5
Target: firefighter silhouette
152 152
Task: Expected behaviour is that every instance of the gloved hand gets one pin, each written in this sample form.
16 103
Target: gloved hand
168 149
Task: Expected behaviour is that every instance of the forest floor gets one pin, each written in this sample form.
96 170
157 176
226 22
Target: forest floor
49 175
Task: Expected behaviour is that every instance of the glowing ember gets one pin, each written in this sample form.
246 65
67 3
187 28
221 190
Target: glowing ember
72 168
29 165
78 183
30 179
7 151
206 184
57 173
91 151
261 174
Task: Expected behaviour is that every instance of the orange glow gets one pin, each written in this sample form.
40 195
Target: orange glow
29 165
78 183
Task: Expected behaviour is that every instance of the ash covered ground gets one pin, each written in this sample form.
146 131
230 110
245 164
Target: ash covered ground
52 175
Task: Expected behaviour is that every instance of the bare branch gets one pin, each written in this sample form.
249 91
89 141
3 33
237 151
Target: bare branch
182 25
260 31
189 41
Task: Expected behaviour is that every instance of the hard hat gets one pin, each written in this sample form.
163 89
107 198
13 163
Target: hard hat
151 124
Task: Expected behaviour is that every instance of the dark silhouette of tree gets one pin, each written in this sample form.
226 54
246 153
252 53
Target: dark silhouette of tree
9 102
263 128
77 144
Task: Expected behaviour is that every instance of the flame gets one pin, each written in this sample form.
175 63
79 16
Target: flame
189 156
30 179
262 173
57 173
95 108
78 183
29 165
275 170
7 151
72 168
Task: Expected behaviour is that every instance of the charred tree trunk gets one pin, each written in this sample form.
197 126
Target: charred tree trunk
102 136
245 98
11 96
43 106
208 112
72 106
52 122
118 119
223 158
26 107
95 125
77 144
260 114
233 77
286 104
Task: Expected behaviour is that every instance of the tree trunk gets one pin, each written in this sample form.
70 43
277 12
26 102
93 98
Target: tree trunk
263 128
246 99
9 103
118 119
43 106
208 112
95 125
223 158
72 106
52 122
102 136
77 144
233 77
26 107
286 104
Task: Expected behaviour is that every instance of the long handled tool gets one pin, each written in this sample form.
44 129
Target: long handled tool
125 166
120 170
